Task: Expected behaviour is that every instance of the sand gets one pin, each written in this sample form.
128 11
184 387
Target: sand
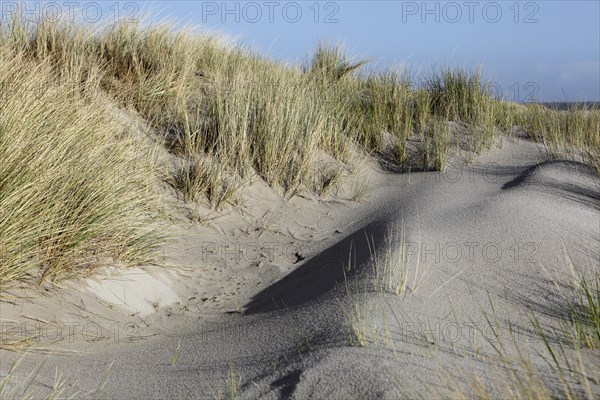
261 299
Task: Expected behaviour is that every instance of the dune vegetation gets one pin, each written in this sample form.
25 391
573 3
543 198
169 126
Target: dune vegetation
78 185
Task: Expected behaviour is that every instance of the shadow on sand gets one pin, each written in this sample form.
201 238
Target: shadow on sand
321 273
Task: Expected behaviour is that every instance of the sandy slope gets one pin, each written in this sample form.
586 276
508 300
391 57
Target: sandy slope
273 318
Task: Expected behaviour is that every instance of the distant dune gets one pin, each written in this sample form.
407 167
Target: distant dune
569 105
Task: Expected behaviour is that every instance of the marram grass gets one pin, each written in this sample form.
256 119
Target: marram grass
74 189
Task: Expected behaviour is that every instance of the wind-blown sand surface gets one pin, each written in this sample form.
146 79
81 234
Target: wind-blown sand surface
261 300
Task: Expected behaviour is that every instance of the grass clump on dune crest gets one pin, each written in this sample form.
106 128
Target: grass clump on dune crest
330 63
457 95
388 106
574 133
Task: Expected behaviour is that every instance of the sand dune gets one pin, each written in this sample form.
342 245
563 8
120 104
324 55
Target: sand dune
486 243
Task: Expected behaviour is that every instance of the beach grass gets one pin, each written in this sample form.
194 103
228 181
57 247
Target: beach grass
75 185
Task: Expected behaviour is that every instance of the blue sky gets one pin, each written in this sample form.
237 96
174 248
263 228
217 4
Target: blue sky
531 50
